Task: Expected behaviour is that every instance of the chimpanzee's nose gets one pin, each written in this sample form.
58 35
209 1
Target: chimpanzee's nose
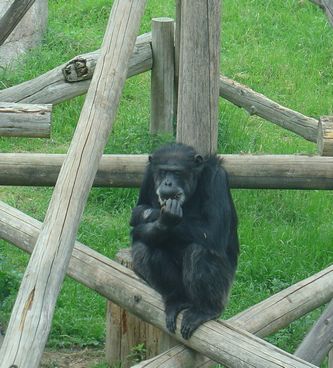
168 183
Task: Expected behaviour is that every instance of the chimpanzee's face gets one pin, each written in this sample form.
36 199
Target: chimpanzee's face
170 183
175 175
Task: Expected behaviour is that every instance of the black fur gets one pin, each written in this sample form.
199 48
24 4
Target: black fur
185 244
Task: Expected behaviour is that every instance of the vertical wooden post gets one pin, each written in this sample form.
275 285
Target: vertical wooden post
177 52
330 359
124 331
31 317
198 91
325 136
162 76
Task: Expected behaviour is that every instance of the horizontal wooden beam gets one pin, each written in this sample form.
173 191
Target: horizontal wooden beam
257 104
245 171
54 87
221 341
25 120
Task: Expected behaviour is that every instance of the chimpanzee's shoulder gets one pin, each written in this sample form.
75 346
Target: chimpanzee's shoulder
214 162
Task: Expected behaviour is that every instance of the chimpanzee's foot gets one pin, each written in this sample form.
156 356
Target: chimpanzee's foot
172 309
193 318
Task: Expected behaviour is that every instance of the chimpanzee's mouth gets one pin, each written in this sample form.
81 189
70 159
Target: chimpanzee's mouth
180 197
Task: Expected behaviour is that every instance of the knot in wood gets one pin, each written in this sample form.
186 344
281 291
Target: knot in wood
13 366
327 321
137 298
253 110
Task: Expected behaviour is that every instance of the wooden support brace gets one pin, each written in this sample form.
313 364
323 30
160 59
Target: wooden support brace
162 76
325 136
124 331
319 341
25 120
221 341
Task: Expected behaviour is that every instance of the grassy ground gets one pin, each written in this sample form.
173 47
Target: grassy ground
281 49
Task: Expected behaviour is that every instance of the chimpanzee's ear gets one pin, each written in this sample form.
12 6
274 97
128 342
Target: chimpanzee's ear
198 159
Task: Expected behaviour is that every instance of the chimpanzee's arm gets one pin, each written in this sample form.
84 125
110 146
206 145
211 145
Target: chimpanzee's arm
214 225
143 214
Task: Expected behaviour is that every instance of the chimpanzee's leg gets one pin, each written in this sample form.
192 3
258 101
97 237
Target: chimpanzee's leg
207 279
162 273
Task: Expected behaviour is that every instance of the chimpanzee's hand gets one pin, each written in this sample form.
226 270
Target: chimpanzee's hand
143 214
171 213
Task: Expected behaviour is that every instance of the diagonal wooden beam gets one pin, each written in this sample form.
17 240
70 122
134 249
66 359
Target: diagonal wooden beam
328 7
258 104
31 317
12 17
319 341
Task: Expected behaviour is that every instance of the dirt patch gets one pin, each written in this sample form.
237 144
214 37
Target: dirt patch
86 358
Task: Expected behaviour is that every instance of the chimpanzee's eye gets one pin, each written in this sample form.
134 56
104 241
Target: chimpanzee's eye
178 173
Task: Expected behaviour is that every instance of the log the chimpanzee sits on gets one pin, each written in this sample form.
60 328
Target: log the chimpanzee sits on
184 236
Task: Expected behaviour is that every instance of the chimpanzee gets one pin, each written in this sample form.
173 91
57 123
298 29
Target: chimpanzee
184 236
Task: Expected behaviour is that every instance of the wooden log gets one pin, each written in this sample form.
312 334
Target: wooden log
177 357
258 104
53 87
25 120
162 76
220 341
12 17
31 317
319 341
325 136
327 5
177 53
124 331
330 359
199 64
26 35
245 171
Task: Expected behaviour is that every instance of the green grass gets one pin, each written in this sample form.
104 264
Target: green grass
281 49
